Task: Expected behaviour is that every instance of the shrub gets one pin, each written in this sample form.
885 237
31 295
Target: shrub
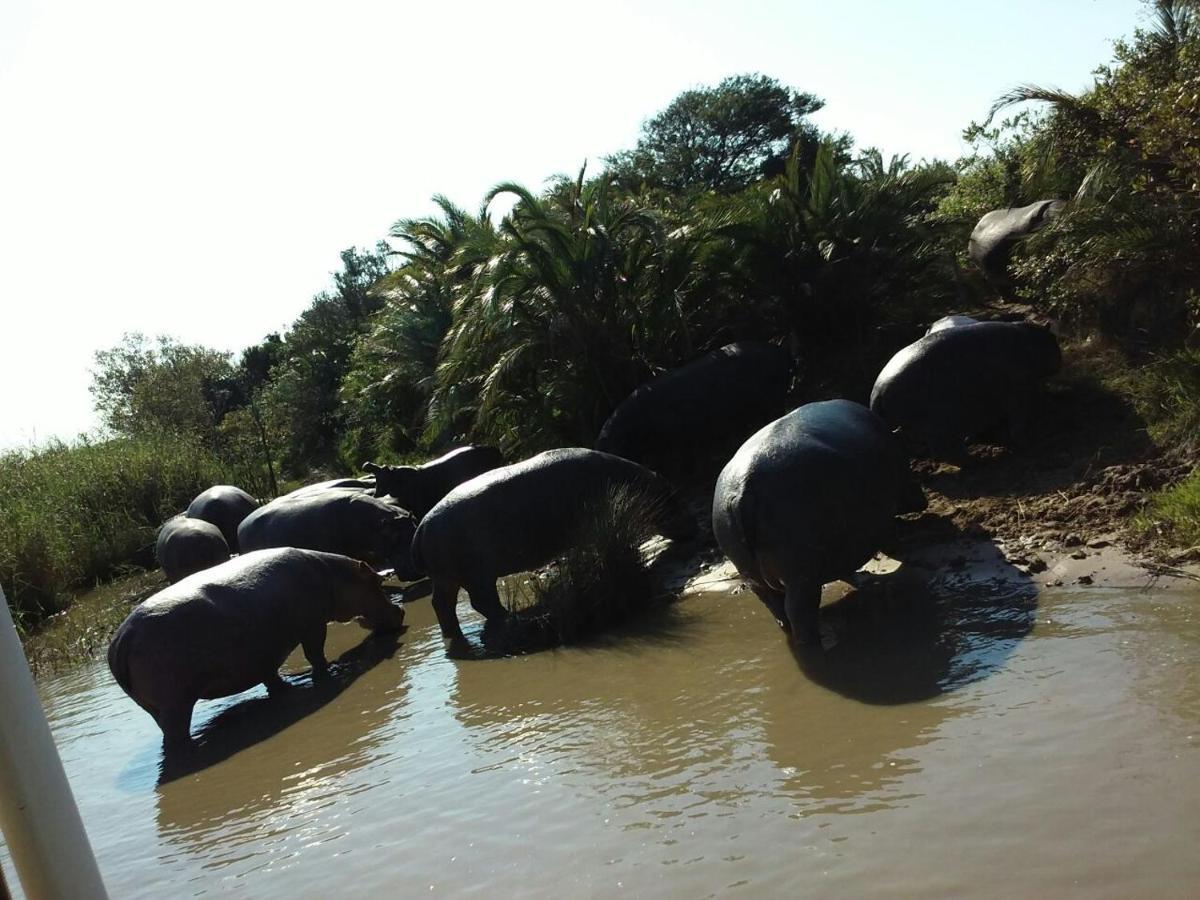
75 514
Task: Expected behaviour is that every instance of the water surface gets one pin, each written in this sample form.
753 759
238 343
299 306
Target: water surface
957 740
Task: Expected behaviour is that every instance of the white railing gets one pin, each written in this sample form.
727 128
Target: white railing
38 816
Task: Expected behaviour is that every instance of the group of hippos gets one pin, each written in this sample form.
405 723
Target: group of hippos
801 500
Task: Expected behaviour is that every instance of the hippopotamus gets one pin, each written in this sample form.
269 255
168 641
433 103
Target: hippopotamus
337 520
958 383
808 499
419 488
366 485
668 424
228 628
518 517
224 506
998 231
951 322
187 545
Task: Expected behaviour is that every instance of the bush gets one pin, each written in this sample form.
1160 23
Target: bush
603 581
76 514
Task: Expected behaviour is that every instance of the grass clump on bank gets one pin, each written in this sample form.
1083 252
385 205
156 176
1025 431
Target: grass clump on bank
603 581
1174 513
75 514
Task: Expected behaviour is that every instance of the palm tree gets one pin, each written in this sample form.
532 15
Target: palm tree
578 305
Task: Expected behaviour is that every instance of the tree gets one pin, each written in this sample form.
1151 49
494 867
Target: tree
719 138
147 387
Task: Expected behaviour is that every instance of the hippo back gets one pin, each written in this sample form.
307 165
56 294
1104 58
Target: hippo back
345 521
701 410
961 378
185 545
818 487
224 506
518 517
419 488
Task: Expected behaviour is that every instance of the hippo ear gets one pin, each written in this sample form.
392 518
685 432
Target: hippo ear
372 468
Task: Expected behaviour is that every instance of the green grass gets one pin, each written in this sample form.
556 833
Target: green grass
1174 513
74 515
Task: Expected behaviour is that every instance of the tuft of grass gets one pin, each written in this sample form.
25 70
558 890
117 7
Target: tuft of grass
1174 513
74 515
603 581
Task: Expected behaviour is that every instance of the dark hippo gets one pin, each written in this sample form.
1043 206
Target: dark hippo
951 322
337 520
514 519
998 231
366 485
702 411
419 488
808 499
224 506
229 628
185 546
958 383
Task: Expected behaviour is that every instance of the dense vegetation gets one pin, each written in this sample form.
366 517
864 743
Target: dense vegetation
733 217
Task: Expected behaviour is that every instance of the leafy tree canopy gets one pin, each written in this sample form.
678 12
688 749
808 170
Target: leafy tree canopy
719 138
144 386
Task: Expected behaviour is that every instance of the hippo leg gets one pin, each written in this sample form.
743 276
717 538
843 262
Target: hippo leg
445 600
773 601
274 684
176 723
486 601
313 644
803 605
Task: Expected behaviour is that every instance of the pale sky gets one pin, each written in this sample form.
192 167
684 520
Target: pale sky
194 169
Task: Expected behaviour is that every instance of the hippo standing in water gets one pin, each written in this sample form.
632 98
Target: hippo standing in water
224 506
224 630
958 383
808 499
419 488
514 519
997 232
668 424
185 546
337 520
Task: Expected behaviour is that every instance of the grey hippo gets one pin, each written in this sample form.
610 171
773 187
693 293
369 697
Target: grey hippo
228 628
517 518
342 520
419 488
668 424
224 506
808 499
997 233
958 383
185 546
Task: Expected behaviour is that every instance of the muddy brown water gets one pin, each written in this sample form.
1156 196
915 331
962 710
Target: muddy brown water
965 737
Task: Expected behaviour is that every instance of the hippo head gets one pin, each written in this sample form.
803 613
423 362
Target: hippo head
1045 357
362 597
393 545
393 480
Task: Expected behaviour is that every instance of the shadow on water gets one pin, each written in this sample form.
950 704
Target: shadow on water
259 718
952 614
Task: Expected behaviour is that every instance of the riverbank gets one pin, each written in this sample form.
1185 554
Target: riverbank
1068 506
